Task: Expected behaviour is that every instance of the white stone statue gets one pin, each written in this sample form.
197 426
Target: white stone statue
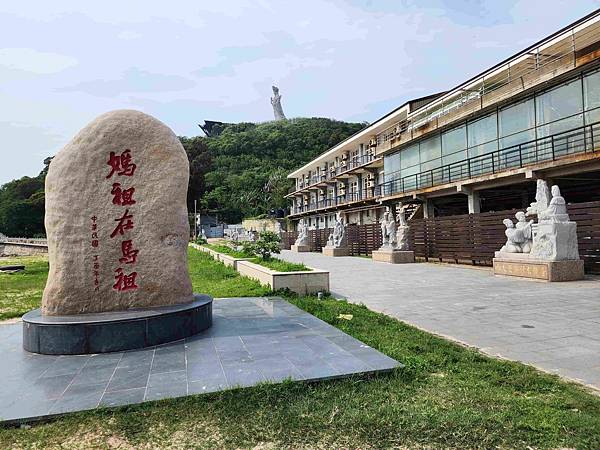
514 238
388 230
526 232
235 236
556 238
542 198
402 236
204 235
556 212
276 102
336 238
250 236
302 238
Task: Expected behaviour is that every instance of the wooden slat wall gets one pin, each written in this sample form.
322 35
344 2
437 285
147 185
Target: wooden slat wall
468 238
587 216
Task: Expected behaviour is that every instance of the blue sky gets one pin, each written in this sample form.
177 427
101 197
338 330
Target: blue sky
63 63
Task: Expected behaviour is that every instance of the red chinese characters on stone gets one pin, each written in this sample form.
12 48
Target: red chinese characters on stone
121 164
129 253
122 197
125 223
124 282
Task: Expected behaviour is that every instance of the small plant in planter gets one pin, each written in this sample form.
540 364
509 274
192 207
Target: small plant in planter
266 244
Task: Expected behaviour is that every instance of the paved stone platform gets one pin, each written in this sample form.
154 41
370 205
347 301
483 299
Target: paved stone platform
252 340
553 326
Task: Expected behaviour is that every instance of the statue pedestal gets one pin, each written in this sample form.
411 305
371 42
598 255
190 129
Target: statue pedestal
393 256
300 248
556 242
524 266
336 251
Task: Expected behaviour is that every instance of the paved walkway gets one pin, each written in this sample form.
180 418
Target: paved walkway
554 326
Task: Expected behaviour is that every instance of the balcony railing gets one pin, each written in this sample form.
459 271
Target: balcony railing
351 164
332 202
579 140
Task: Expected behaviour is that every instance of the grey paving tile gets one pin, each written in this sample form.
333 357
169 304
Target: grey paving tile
123 397
166 385
66 365
79 398
129 378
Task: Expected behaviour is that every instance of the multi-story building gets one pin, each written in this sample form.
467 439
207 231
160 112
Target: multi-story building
477 147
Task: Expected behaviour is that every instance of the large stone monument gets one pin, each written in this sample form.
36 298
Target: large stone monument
337 241
302 243
118 230
547 250
396 243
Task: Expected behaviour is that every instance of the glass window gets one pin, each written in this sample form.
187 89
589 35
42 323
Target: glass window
482 130
454 157
561 102
517 138
560 126
430 149
483 149
517 118
409 171
433 164
410 156
391 165
591 97
454 140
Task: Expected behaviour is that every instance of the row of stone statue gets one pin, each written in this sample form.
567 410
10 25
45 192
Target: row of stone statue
394 231
552 238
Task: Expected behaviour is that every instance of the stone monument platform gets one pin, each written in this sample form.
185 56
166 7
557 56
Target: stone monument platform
300 248
524 266
336 251
394 256
115 331
252 340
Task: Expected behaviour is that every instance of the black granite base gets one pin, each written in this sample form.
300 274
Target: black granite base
115 331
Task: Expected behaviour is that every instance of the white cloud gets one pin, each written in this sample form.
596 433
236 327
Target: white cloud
30 60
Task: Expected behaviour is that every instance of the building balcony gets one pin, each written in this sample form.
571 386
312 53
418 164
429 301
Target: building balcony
582 140
325 204
349 167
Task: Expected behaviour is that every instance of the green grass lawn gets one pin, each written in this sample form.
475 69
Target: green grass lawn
447 396
274 263
22 291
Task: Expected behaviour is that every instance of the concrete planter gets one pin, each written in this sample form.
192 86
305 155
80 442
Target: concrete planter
302 282
228 260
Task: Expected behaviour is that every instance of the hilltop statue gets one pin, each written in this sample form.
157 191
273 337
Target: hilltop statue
276 102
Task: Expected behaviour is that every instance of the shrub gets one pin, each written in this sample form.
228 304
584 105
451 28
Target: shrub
266 244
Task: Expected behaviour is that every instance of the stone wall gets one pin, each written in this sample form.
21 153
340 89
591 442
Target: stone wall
22 249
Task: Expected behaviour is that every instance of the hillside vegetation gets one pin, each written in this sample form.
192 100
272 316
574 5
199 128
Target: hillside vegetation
242 172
